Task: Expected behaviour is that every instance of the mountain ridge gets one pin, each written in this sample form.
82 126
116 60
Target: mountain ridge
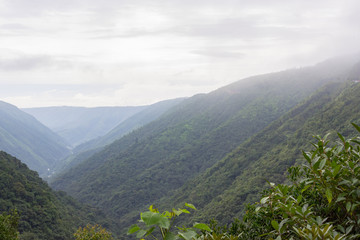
137 120
157 159
80 124
337 102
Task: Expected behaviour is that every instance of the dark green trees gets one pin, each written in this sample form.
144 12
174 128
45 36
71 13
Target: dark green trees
8 225
43 213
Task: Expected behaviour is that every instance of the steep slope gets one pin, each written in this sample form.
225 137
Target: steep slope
224 189
146 115
44 214
79 124
160 157
24 137
139 119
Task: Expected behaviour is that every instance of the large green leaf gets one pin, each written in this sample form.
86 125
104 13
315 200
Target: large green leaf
189 235
140 233
190 206
151 218
329 195
133 228
202 226
356 127
171 236
275 225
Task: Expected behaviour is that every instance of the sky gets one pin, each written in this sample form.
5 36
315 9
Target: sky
138 52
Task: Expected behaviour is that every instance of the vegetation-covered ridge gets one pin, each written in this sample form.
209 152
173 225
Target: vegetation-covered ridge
141 118
43 213
238 179
175 157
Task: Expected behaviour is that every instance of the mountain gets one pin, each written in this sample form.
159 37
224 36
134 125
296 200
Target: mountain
24 137
148 114
159 158
223 190
79 124
44 214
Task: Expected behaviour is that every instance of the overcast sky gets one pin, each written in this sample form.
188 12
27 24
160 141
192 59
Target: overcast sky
137 52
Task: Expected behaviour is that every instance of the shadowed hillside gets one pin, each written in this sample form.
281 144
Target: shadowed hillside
44 214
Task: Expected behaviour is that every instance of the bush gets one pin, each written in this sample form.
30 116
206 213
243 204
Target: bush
164 222
92 232
322 201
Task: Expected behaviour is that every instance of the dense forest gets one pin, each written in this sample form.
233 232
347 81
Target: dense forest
320 201
44 214
239 178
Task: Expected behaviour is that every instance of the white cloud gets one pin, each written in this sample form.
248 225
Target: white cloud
136 52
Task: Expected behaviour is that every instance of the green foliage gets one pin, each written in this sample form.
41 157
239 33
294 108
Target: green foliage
92 232
9 225
153 219
322 201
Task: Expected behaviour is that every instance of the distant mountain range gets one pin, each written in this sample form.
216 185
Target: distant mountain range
26 138
172 159
79 124
146 115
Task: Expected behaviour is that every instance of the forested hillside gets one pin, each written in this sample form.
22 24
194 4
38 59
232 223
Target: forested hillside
191 139
224 189
79 124
44 214
26 138
138 120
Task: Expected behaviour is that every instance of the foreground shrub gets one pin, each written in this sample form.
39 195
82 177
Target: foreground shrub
322 201
153 220
92 232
